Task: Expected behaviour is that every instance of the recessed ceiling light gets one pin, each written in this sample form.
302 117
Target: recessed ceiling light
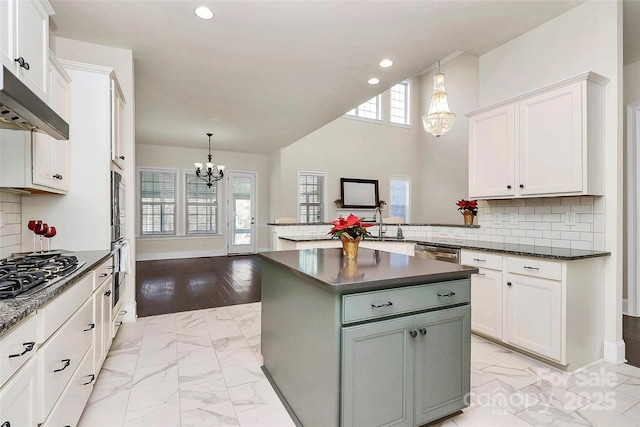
386 63
204 12
374 81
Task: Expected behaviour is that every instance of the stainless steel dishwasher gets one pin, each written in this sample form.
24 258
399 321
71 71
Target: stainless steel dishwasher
440 254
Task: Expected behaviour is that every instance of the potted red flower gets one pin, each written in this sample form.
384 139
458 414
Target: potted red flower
350 231
469 209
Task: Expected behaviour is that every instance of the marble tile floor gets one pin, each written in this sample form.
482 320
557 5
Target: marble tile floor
202 368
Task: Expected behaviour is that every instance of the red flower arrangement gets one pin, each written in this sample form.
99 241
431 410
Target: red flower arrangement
353 226
468 205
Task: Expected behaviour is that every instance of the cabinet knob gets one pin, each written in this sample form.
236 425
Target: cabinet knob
509 187
508 283
121 157
58 176
413 334
107 294
423 331
521 185
22 63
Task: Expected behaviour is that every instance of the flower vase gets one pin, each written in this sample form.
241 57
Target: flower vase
468 217
350 245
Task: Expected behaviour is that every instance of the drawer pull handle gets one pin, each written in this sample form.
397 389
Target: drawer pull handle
387 304
413 334
93 377
22 63
91 326
423 331
67 362
526 267
119 323
121 157
123 312
481 274
111 267
450 294
6 424
103 275
479 260
107 294
28 346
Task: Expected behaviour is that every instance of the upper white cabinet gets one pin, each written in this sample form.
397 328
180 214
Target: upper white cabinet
548 142
117 107
24 41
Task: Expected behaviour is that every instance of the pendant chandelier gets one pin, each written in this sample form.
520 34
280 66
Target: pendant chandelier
211 173
439 119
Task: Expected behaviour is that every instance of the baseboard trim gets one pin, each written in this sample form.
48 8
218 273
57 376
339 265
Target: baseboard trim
178 255
614 352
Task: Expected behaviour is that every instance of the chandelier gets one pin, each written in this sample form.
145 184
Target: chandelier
439 119
212 173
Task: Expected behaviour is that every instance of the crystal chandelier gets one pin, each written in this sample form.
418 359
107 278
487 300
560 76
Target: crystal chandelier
212 173
439 119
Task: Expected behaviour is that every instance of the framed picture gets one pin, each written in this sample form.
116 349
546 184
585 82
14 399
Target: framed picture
359 193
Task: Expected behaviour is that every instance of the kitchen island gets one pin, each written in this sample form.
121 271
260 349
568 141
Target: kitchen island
381 340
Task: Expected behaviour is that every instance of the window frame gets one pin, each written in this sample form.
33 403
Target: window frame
407 180
140 214
323 193
357 116
407 108
215 204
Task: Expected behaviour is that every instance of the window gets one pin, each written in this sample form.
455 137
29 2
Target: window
399 103
399 190
367 110
157 202
201 205
311 196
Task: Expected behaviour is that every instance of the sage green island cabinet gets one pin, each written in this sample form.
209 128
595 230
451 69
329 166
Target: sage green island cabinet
383 340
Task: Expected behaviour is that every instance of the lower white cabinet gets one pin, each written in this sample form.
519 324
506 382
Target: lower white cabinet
102 303
549 308
390 376
18 398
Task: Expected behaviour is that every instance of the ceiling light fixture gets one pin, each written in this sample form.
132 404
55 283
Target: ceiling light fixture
373 81
212 173
439 119
204 12
386 63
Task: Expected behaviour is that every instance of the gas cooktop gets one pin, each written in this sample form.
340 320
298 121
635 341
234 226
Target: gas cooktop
24 274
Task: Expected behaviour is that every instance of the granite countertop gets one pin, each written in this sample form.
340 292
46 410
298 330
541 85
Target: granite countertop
13 310
561 254
372 270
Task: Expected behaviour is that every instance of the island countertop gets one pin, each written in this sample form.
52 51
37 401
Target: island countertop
372 270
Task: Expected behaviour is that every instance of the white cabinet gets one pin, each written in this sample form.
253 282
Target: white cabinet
549 308
548 142
102 309
117 107
24 41
18 398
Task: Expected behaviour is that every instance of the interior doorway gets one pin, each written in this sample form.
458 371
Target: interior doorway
241 221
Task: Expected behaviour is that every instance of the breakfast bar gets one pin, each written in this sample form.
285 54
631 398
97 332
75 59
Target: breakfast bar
380 340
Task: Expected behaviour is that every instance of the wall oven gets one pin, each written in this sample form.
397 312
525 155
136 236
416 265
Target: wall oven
118 230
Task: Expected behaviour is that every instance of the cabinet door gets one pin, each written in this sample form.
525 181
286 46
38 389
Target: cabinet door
32 44
492 141
7 29
377 369
533 318
107 309
117 107
17 398
443 361
551 143
486 303
42 160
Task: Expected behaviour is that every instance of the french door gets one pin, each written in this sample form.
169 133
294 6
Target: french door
241 222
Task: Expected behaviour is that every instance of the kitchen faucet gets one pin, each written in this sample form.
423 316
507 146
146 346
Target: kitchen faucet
379 221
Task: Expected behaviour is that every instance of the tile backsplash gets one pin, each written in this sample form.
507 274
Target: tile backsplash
11 229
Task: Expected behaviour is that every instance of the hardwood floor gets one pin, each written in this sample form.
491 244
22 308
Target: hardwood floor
171 286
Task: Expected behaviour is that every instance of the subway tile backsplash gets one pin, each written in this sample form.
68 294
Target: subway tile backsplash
11 229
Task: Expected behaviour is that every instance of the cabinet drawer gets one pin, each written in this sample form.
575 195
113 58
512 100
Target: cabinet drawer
481 259
535 267
60 357
390 302
118 316
17 398
54 314
74 398
20 340
102 273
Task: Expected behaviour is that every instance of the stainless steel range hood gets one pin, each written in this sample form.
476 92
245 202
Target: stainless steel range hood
20 108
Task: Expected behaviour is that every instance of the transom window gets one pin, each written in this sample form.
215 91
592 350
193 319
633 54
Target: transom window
399 103
367 110
201 205
157 202
399 189
311 197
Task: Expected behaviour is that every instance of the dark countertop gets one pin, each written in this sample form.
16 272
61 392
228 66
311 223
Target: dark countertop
371 271
13 310
560 254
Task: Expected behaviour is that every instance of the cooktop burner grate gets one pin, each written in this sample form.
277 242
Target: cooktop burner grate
32 272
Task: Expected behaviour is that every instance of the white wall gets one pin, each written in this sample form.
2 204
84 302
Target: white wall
181 159
588 37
